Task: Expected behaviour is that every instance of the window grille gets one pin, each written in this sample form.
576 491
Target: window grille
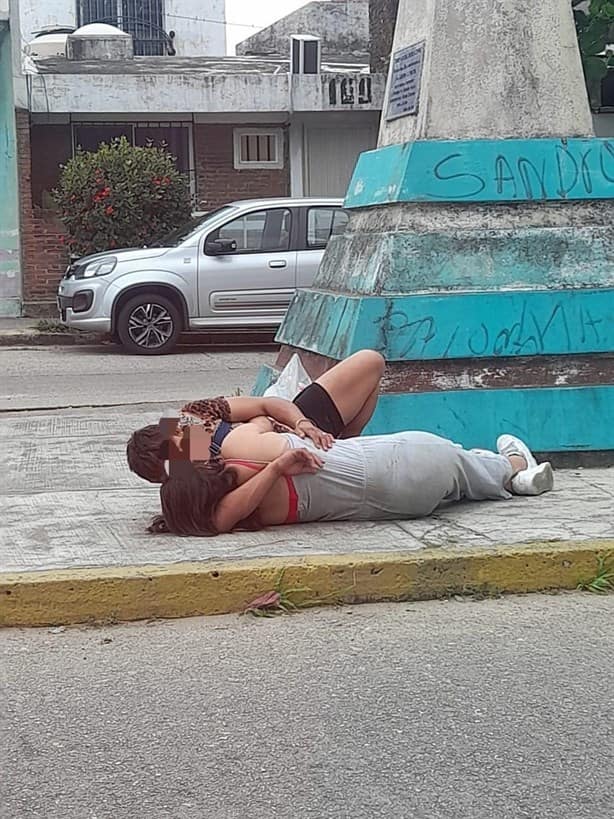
254 148
144 19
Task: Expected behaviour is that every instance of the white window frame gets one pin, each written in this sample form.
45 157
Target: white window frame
241 165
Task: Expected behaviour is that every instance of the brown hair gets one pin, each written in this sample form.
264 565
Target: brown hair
146 452
189 496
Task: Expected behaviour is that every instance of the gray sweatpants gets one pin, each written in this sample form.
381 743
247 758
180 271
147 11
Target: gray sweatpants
403 475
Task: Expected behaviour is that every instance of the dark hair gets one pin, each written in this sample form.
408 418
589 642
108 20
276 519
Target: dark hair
146 452
189 496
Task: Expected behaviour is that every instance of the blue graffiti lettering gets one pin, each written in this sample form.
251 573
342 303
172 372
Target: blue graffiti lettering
476 179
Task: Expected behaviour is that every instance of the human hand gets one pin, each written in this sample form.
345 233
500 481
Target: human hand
323 440
298 462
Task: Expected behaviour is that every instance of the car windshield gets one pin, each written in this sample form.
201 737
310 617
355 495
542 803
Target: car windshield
180 234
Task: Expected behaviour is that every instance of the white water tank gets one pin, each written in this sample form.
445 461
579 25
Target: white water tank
50 42
99 41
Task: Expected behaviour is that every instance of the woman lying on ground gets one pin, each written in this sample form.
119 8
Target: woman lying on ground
400 476
338 404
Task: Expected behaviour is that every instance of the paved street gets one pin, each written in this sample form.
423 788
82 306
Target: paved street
427 711
51 377
499 709
458 665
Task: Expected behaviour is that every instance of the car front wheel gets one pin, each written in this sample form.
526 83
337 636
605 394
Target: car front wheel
149 324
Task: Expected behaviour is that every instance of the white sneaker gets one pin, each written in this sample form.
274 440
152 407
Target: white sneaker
533 481
510 445
536 478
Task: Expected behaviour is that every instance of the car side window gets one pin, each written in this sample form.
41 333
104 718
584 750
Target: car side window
322 223
340 220
259 232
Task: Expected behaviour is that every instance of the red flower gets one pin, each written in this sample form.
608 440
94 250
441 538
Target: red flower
109 210
156 180
62 239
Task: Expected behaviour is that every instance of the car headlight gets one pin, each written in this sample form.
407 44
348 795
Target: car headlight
101 267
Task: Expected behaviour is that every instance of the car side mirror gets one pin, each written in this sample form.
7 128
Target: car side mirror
220 247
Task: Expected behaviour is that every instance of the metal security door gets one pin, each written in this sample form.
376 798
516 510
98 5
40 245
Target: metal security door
330 156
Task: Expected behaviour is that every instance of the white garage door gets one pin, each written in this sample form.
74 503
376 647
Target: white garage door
330 156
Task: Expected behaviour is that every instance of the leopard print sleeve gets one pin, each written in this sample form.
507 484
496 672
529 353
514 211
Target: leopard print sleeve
209 411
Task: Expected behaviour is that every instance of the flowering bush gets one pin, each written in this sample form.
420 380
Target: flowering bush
120 196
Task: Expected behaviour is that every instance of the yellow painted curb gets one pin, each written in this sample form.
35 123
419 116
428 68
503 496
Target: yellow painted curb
187 589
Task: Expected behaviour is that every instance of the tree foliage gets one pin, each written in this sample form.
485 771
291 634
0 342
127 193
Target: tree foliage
120 196
595 28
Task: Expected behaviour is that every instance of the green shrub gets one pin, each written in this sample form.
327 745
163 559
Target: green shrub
120 196
595 28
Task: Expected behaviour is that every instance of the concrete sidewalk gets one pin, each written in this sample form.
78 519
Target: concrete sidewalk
35 332
74 545
49 332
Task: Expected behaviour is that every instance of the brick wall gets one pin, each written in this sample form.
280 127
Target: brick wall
44 258
217 181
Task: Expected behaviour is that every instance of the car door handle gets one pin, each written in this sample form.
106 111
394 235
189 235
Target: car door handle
279 263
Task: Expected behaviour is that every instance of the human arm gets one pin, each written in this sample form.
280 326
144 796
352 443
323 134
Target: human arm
244 409
245 500
282 411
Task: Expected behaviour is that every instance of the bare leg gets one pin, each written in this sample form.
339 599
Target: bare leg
353 384
360 421
518 464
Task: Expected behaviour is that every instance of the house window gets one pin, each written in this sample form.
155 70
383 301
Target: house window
175 137
53 145
144 19
90 137
50 148
255 148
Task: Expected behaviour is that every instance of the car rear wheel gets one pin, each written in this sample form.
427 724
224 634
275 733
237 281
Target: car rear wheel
149 324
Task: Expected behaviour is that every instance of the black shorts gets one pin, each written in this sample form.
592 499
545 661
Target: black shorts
317 405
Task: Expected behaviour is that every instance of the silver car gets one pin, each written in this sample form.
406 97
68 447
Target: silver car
236 267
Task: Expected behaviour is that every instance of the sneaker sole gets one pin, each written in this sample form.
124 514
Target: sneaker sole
542 480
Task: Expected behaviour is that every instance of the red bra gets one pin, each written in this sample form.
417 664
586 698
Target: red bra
292 516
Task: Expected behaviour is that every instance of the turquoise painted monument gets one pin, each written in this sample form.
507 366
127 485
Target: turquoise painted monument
479 254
